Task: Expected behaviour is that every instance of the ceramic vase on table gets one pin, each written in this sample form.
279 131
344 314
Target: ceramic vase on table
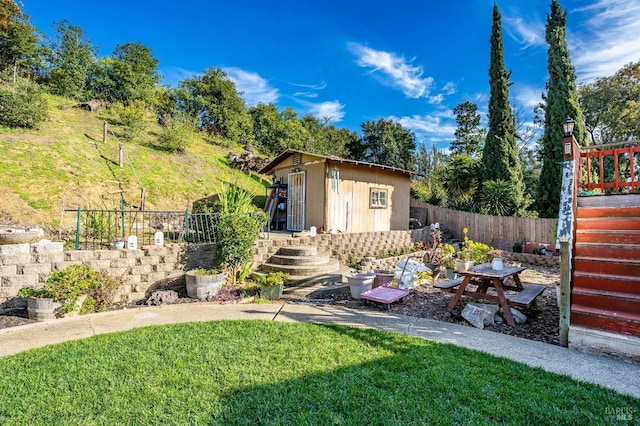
463 265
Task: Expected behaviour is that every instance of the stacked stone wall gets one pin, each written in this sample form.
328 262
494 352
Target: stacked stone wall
150 267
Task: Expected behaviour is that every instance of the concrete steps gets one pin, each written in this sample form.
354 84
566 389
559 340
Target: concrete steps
311 273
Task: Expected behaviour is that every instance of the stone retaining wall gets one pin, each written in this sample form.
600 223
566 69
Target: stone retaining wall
151 267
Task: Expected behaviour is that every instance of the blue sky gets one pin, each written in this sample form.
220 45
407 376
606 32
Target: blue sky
357 61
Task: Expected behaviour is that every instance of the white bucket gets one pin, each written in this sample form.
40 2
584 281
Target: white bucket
132 242
159 238
312 231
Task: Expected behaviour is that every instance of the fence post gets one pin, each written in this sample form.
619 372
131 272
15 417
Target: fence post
565 291
122 213
186 225
78 229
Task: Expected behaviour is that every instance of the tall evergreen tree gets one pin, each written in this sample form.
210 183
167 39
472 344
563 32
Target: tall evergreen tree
561 101
468 134
500 155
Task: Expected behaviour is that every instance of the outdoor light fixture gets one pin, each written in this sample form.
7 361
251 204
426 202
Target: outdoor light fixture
567 125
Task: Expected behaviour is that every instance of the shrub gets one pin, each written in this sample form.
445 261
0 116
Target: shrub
133 117
22 105
176 137
74 281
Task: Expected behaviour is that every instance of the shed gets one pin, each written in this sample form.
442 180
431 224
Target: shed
336 194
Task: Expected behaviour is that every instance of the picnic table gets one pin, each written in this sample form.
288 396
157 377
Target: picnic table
485 277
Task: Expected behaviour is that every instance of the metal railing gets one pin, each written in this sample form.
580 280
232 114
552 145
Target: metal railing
99 229
610 168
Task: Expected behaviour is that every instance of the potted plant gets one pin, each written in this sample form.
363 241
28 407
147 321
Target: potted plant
76 289
463 261
449 263
272 284
517 247
203 282
118 243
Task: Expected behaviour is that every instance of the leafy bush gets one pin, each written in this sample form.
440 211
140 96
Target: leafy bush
22 105
176 137
237 229
74 281
272 279
133 117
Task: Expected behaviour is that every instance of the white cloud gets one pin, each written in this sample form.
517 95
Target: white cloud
435 128
253 88
450 88
305 95
527 97
394 71
608 38
526 32
334 110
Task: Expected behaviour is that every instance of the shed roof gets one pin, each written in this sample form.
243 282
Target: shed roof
286 153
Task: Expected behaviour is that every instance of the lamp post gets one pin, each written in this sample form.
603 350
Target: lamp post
567 141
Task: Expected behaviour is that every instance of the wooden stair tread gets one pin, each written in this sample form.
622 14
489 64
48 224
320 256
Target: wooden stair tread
606 313
607 293
606 259
605 276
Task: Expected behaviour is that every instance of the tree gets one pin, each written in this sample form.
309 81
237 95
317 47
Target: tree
71 56
217 105
130 74
468 135
388 143
326 139
500 154
18 39
611 105
561 101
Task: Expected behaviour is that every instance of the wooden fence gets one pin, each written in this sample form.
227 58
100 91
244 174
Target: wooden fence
497 231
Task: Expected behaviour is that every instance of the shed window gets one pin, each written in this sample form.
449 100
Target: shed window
378 198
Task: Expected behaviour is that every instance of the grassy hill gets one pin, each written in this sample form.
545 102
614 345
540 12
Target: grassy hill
66 164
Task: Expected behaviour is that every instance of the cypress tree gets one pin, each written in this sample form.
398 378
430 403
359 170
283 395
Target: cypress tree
561 101
500 160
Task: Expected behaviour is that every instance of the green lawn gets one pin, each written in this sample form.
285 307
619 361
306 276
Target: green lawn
245 372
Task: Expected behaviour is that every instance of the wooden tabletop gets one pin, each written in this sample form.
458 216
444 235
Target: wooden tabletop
485 270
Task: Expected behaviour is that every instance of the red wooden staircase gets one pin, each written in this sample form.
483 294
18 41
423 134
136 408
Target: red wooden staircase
606 276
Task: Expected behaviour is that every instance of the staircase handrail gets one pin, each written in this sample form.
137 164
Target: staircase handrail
614 150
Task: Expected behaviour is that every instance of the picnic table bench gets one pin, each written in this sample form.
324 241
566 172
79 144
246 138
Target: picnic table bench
483 276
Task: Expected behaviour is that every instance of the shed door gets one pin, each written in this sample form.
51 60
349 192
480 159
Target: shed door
296 201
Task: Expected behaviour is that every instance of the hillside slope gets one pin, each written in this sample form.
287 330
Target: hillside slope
66 164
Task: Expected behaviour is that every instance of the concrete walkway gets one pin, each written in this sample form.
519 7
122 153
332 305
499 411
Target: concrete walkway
622 376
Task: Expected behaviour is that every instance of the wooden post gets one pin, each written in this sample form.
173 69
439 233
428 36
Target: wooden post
120 154
565 291
104 132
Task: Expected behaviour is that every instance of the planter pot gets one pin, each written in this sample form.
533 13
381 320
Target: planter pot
450 273
463 265
359 283
201 286
273 292
383 277
118 245
43 308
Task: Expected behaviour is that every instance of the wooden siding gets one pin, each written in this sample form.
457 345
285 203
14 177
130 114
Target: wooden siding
350 205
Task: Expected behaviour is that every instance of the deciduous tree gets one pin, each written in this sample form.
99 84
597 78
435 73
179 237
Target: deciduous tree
386 142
